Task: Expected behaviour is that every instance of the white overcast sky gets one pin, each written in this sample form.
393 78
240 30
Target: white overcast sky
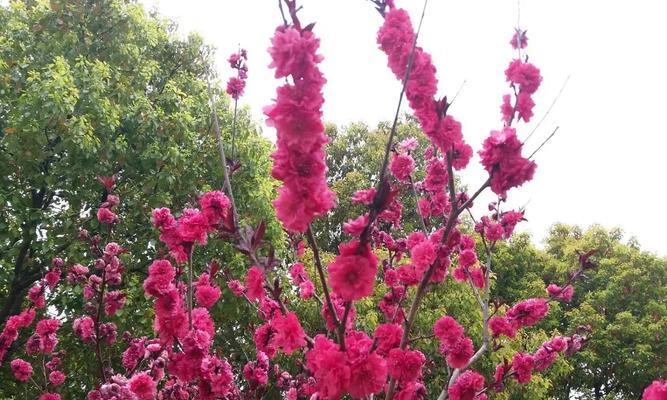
607 162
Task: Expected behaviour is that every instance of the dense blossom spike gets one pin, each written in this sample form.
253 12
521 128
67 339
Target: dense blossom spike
299 161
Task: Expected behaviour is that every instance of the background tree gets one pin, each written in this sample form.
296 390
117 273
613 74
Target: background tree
98 89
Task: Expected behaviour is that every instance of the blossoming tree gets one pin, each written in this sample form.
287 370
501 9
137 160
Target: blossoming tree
181 360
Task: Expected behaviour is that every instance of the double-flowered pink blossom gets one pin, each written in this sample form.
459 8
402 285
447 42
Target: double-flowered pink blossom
299 160
502 159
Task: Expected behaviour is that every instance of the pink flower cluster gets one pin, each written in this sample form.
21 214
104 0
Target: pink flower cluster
236 84
526 313
498 226
468 386
453 342
282 332
193 226
467 268
396 38
301 279
502 159
656 391
561 293
523 365
357 370
299 160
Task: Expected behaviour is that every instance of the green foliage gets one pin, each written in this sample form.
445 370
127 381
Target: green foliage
102 88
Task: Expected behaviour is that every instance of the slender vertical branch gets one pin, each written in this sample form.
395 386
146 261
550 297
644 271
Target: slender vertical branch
236 103
320 272
225 173
416 196
546 114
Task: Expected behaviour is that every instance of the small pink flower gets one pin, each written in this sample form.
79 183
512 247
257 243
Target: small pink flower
56 378
21 369
106 216
143 386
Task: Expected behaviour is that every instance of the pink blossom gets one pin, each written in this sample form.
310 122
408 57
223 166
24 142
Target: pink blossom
352 273
401 167
461 155
656 391
106 216
306 289
77 274
411 391
436 175
466 387
524 106
21 369
501 326
407 145
83 328
422 256
328 366
143 386
448 330
506 109
202 320
367 376
298 273
388 336
236 287
36 295
501 157
407 275
289 333
264 339
365 196
528 312
458 353
160 276
162 218
467 258
52 277
113 301
215 206
205 293
254 283
193 226
339 307
218 374
560 293
49 396
356 226
405 365
509 220
56 378
299 161
522 365
235 87
395 38
477 277
526 75
544 358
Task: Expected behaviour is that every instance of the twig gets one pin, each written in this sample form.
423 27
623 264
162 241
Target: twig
548 109
544 142
414 193
216 124
458 91
320 272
